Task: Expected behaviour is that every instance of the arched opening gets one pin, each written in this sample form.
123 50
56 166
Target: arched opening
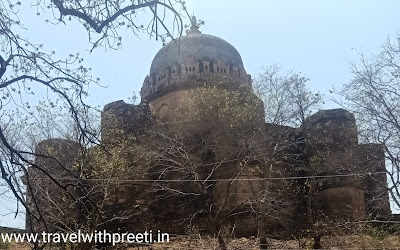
206 67
217 69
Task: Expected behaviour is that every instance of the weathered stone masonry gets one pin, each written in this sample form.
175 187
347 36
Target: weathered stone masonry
326 144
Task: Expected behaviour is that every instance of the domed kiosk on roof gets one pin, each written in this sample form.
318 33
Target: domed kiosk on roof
192 60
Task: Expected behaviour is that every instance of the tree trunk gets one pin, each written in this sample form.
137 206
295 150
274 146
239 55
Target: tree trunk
261 220
317 242
263 243
221 241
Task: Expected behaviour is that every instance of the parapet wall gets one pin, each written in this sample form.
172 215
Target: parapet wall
122 121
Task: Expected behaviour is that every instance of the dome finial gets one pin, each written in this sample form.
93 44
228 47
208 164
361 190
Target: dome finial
194 21
194 28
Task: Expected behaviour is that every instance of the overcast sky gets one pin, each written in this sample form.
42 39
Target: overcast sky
316 37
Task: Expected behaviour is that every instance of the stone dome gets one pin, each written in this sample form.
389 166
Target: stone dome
195 47
192 60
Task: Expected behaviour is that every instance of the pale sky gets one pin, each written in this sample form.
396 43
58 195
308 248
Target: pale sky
316 37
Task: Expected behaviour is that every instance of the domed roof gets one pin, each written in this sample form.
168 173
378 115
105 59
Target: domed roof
193 48
192 60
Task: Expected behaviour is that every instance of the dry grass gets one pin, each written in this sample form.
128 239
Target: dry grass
340 242
15 246
353 242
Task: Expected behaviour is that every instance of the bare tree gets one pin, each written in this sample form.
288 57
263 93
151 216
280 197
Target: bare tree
373 96
287 102
286 98
105 197
107 18
211 159
26 69
202 149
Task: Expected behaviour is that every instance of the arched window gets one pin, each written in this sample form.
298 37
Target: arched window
194 69
217 69
190 69
206 67
173 71
186 69
224 70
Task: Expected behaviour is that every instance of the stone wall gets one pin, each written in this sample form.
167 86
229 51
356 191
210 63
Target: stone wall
56 159
371 159
332 148
122 121
325 145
